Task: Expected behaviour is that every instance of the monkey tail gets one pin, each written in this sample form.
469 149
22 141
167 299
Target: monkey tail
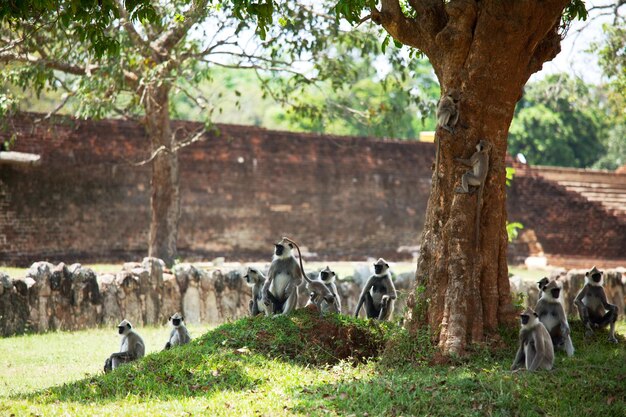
307 279
478 210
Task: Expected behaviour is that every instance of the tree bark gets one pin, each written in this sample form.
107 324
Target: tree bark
165 193
487 50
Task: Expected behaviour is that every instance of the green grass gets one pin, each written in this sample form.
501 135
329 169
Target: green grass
301 365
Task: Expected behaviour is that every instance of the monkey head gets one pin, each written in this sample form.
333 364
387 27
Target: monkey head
483 145
542 283
327 276
381 267
594 276
283 248
177 319
252 277
124 327
454 95
528 317
552 290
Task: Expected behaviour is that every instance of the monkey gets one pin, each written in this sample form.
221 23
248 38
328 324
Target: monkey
132 347
379 294
542 283
552 315
479 162
594 309
179 334
535 345
447 117
255 280
448 110
283 279
327 276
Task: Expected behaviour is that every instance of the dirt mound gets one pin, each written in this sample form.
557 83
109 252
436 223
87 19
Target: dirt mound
305 337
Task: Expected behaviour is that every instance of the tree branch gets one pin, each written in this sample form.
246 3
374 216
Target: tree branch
418 32
134 36
175 34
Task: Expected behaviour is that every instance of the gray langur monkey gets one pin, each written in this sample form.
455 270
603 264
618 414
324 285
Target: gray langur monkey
594 309
132 347
379 294
479 162
535 346
327 276
552 315
256 280
179 334
447 117
280 291
448 110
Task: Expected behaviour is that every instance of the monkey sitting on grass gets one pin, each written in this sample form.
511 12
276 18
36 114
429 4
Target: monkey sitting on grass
132 347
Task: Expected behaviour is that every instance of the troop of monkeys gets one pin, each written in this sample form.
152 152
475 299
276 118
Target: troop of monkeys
546 327
278 294
542 330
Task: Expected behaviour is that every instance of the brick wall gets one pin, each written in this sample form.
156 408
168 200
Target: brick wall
566 224
244 187
342 197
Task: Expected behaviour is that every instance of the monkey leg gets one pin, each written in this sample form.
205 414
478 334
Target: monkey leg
108 365
610 318
568 345
118 359
370 309
466 180
583 312
292 299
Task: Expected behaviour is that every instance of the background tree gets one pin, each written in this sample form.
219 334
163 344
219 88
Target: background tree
487 50
160 60
612 51
560 121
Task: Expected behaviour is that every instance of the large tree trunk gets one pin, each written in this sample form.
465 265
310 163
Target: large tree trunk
165 194
487 50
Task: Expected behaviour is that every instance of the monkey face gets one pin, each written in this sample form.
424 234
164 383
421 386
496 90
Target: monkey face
326 275
596 277
283 248
524 318
380 267
124 327
176 322
555 292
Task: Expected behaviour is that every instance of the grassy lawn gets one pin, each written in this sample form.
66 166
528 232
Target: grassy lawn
302 365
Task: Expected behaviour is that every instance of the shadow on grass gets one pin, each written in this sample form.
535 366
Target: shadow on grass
222 358
592 382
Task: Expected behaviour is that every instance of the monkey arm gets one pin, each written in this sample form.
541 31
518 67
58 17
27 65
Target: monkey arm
519 357
265 291
466 162
608 306
394 294
540 351
579 297
368 286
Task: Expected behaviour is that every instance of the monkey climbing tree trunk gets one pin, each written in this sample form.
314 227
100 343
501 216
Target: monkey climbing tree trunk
487 50
165 194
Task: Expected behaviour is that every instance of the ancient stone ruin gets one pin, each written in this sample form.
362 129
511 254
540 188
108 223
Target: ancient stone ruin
61 297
